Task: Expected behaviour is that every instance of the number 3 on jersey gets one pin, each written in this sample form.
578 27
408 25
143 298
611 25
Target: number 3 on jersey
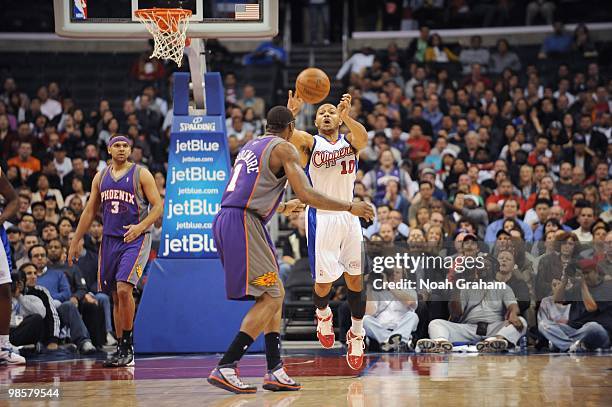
350 169
114 206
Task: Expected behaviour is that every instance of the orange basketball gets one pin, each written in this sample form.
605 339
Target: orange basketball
312 85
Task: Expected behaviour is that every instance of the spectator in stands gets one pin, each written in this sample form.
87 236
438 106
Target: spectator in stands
318 17
508 274
267 53
88 267
294 245
546 8
376 179
503 58
78 171
583 42
466 206
28 276
590 316
417 47
557 44
66 304
510 210
586 218
49 107
249 100
357 64
556 264
146 69
390 313
423 200
27 325
43 190
437 52
395 199
475 54
24 161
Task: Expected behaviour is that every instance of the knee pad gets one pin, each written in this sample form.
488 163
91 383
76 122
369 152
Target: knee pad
357 303
320 302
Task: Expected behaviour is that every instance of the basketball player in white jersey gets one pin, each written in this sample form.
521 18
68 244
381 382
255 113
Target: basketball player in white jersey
334 239
8 354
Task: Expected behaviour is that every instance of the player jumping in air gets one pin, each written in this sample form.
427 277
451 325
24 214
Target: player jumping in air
257 183
334 239
7 352
130 205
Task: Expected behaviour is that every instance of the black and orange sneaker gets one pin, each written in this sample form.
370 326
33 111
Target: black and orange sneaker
226 377
277 379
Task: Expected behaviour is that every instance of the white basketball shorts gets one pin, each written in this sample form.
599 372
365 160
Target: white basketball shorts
334 244
5 273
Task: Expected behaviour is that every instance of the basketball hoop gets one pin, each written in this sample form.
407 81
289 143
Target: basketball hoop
168 26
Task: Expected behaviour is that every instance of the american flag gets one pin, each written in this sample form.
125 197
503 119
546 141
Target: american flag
247 12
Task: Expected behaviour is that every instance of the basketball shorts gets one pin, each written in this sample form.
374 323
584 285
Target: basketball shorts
120 261
247 254
334 244
5 270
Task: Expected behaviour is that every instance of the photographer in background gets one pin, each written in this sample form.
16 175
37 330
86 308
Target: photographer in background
27 315
490 316
590 316
390 313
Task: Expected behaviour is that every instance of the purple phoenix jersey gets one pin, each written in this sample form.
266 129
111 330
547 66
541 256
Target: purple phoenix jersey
242 240
252 185
123 204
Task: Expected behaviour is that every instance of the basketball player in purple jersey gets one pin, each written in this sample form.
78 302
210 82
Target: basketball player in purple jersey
7 353
334 239
125 191
257 183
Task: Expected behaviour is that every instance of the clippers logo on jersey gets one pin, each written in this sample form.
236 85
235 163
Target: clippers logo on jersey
328 158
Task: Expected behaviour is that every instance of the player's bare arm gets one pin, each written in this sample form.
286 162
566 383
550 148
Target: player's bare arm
87 217
302 140
286 155
9 194
358 136
147 182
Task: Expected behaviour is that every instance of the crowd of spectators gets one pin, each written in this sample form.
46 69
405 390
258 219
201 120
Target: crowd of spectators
495 151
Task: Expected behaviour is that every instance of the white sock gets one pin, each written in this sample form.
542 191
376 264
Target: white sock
324 313
357 326
4 340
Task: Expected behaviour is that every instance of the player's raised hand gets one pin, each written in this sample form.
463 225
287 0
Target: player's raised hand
363 210
344 107
294 103
133 232
73 255
293 206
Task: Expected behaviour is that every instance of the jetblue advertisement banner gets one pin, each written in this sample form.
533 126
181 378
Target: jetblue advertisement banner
198 171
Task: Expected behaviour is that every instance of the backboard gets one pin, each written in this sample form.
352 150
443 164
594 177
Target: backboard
210 18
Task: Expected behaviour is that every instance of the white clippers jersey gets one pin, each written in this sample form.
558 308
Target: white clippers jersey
332 167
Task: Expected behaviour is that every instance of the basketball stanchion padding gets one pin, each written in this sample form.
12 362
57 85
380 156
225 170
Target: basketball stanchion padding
168 26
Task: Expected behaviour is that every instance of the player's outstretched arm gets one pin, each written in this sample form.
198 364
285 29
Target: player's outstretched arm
302 140
9 194
157 207
87 217
358 136
288 156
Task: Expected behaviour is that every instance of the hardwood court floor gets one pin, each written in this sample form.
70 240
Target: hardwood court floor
386 380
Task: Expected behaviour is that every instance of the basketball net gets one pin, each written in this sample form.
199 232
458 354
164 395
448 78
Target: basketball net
168 26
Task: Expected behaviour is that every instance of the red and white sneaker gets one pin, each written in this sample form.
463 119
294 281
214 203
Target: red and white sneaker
325 331
354 353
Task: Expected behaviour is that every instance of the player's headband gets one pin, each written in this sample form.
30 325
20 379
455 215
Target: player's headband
119 138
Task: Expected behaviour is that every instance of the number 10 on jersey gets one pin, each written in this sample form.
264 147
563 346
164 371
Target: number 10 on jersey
348 167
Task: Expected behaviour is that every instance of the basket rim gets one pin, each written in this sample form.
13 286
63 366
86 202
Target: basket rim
157 12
